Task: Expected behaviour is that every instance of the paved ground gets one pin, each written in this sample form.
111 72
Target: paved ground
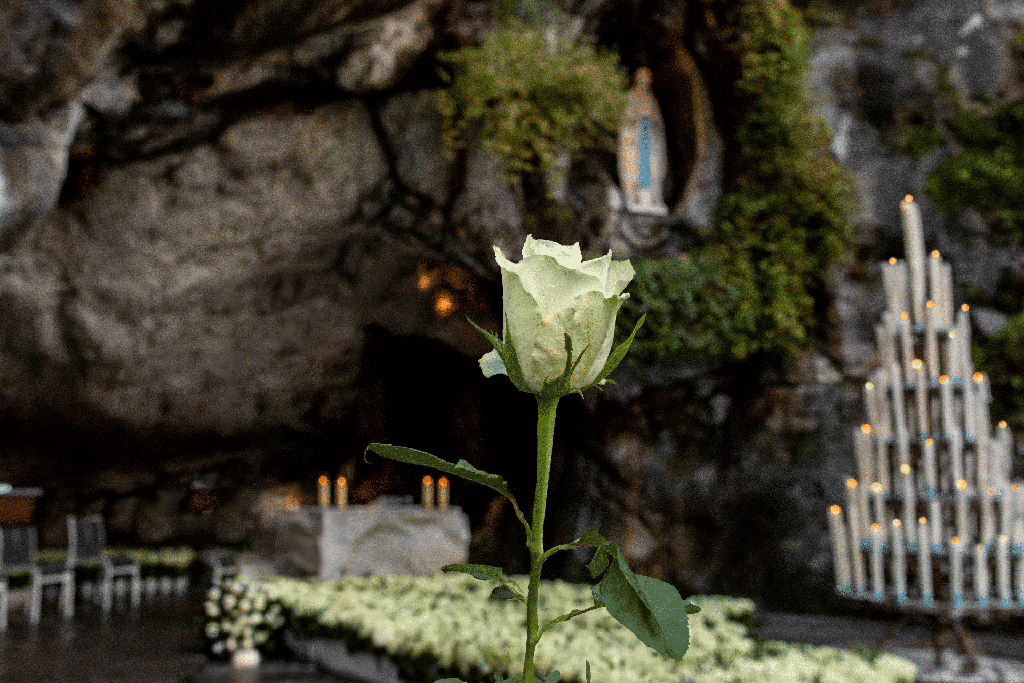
160 644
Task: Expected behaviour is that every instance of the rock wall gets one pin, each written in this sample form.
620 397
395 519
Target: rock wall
231 255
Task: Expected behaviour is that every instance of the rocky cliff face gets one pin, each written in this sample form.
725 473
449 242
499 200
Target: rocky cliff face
232 254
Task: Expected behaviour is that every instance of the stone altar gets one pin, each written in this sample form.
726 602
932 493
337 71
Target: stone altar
389 536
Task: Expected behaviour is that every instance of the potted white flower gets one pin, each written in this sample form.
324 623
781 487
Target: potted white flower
240 620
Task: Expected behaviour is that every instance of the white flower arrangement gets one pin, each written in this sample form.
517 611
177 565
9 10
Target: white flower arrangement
241 615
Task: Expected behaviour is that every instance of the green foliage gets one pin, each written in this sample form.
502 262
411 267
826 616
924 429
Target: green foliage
989 174
776 236
1001 357
530 100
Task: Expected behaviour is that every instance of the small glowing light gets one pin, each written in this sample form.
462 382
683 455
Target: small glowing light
961 483
930 304
444 305
909 198
935 253
917 364
1002 424
896 522
978 377
965 308
851 483
904 315
866 428
877 488
892 260
905 468
943 379
836 510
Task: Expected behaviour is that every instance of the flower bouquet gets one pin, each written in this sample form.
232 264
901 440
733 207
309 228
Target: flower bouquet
240 615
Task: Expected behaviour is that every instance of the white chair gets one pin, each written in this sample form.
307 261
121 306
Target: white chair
87 540
18 546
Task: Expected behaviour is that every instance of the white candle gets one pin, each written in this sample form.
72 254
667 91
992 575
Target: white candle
325 491
876 489
854 512
1020 574
1016 503
947 295
946 396
1003 560
988 531
840 554
930 473
935 510
427 496
1006 446
877 577
909 499
925 553
894 279
921 393
907 342
970 409
958 572
957 444
886 348
871 404
961 508
884 426
899 568
963 335
935 280
442 493
913 244
341 492
931 343
862 451
953 365
981 573
1005 510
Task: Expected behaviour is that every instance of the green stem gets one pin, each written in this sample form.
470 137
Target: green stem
545 443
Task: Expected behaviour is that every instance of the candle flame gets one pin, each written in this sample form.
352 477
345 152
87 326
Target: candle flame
1002 424
427 480
322 480
341 481
964 307
1003 538
928 441
961 483
990 491
892 260
1015 487
896 522
909 198
978 377
935 253
905 468
876 487
866 428
851 483
918 364
923 520
952 334
443 306
930 304
943 379
836 510
443 481
955 540
875 528
869 385
904 315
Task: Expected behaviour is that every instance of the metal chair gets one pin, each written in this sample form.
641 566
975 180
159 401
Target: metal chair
87 540
18 546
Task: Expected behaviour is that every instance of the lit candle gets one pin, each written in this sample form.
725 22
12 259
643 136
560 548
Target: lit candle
877 577
984 399
341 492
970 412
840 553
958 570
930 473
899 568
909 499
1003 559
1020 574
884 427
876 489
957 444
854 512
946 395
908 345
325 491
1005 510
961 508
894 279
935 279
1016 503
981 573
901 418
931 343
862 451
871 403
858 561
442 493
963 334
428 491
1005 439
925 553
913 245
921 393
935 509
952 359
988 532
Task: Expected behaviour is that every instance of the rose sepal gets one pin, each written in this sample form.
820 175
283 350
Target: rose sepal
562 385
507 353
617 355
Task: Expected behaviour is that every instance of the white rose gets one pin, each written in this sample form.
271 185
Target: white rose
212 630
550 293
212 610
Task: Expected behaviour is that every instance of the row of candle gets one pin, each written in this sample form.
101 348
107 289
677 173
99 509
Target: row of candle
341 492
983 463
910 371
1010 503
848 577
895 276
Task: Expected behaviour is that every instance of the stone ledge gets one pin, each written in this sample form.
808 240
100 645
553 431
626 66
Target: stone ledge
334 656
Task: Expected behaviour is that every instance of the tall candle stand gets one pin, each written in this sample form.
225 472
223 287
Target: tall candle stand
933 525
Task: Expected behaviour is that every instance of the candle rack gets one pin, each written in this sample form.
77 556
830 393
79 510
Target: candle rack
932 525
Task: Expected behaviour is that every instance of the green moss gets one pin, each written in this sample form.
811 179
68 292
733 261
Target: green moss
532 101
776 237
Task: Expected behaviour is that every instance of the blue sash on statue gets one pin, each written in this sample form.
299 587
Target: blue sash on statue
645 152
